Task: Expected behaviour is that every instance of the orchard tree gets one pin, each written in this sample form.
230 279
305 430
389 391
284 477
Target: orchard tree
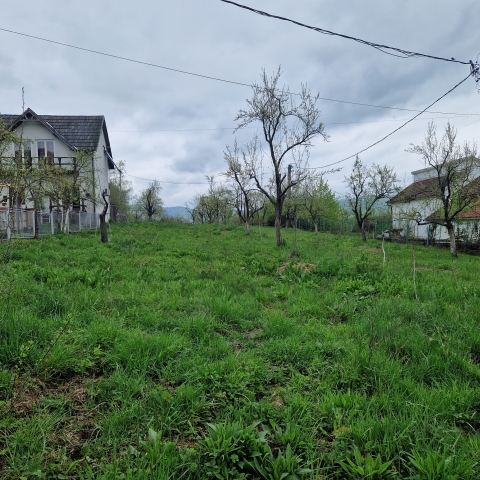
212 207
289 123
150 202
246 200
120 193
319 201
456 187
366 186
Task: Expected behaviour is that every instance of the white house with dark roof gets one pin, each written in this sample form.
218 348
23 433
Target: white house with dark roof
415 209
58 138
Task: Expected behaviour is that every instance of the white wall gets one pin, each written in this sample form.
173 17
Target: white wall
412 212
33 130
102 174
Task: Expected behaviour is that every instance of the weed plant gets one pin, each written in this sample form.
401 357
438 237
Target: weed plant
195 352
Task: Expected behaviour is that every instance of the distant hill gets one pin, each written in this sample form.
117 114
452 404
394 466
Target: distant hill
177 212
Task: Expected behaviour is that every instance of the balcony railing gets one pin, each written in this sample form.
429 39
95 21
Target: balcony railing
47 160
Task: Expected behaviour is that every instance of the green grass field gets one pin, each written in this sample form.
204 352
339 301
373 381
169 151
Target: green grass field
194 352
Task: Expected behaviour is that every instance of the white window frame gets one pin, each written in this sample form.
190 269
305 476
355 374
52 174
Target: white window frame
45 148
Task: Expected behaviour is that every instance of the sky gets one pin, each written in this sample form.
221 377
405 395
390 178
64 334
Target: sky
174 127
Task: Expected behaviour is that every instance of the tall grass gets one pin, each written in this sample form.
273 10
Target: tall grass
192 351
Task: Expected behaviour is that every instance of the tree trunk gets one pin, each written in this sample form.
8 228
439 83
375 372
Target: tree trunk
35 223
103 223
316 228
278 231
453 242
247 227
364 235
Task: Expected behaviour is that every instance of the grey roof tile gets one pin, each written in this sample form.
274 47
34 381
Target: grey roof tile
81 131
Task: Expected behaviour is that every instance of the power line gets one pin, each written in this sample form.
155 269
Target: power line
382 48
217 79
234 128
119 57
355 154
397 129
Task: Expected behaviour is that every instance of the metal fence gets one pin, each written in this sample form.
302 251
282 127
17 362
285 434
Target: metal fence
373 227
22 224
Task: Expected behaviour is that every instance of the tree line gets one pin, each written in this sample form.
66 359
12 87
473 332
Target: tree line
267 178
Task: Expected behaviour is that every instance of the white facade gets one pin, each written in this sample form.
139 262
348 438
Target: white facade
42 135
412 215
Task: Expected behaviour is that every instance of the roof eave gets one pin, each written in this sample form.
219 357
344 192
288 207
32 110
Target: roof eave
21 118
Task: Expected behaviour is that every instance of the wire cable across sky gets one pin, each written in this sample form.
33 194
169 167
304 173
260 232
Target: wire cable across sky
378 46
397 129
209 77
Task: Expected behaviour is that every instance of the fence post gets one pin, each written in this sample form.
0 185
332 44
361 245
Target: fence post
408 232
9 230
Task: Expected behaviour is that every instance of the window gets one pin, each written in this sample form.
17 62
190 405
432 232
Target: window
27 153
45 149
18 155
27 149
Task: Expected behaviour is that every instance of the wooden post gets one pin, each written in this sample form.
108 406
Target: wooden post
9 230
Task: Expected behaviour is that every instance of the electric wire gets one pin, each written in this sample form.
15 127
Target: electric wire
256 128
382 48
351 156
397 129
208 77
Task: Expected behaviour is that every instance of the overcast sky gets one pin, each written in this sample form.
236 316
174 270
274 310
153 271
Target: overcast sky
174 127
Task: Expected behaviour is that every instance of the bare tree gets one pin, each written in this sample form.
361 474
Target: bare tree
289 127
150 200
457 183
366 187
212 207
246 200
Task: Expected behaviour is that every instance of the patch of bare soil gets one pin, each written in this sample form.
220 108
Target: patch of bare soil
186 443
78 424
276 398
253 334
306 267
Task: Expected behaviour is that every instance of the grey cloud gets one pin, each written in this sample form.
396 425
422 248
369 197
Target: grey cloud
215 39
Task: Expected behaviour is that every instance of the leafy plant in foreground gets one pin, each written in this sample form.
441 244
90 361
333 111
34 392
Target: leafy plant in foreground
367 466
234 452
